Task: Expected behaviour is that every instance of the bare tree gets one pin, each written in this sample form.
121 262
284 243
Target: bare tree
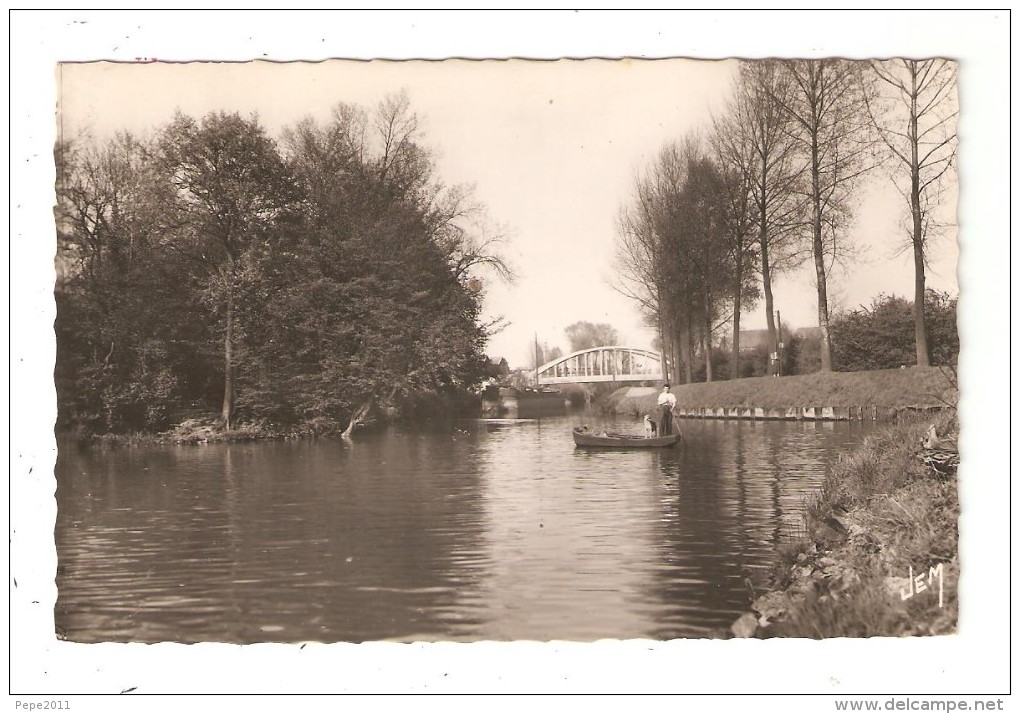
754 138
639 266
104 197
675 255
742 256
831 128
675 269
457 222
915 117
472 243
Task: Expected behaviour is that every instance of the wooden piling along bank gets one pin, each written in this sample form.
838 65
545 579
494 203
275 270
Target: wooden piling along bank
859 413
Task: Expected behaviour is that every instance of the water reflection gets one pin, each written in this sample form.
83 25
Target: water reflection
471 531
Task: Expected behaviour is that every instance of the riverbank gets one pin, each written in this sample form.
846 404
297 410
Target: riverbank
208 429
876 394
879 553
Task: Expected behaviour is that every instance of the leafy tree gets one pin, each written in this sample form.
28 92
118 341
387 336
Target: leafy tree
873 337
881 336
943 337
640 264
801 354
204 266
231 186
584 335
682 251
386 304
742 256
125 355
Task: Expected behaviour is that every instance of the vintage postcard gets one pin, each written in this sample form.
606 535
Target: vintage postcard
441 366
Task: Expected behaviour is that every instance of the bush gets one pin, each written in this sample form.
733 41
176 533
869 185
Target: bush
882 336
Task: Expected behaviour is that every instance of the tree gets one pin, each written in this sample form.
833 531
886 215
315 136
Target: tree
713 216
829 124
125 343
543 353
754 139
875 337
689 216
338 278
675 256
742 256
385 304
230 188
584 335
639 263
915 117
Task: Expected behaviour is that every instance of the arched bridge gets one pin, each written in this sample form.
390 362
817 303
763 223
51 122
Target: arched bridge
603 364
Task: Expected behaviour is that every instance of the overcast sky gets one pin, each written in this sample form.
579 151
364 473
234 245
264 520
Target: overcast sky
552 149
556 174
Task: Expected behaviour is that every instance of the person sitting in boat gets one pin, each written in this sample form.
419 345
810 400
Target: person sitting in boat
666 403
650 428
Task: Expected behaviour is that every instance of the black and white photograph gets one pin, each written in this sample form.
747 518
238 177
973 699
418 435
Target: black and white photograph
570 367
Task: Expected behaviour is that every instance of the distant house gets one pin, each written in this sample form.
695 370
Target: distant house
752 340
499 369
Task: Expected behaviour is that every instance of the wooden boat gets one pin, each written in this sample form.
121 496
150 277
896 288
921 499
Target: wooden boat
622 441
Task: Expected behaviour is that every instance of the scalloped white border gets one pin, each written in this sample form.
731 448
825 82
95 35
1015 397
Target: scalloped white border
976 660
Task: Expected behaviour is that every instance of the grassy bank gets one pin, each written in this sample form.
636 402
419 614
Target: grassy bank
881 516
886 389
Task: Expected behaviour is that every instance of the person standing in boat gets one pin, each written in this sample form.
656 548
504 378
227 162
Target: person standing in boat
666 402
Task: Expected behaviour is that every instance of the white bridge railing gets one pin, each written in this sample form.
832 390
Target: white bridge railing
603 364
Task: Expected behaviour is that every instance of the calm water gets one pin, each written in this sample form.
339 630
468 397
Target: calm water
475 531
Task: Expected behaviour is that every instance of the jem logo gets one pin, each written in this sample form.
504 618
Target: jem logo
917 583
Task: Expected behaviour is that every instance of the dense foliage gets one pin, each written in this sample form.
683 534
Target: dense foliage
881 336
209 270
585 335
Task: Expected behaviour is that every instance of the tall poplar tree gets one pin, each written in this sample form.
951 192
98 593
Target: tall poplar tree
915 115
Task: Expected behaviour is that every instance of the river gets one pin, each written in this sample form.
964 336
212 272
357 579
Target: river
467 531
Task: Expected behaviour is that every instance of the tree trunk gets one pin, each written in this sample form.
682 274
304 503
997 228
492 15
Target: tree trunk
228 363
766 278
920 328
688 349
664 347
356 419
816 229
920 324
708 346
735 357
677 357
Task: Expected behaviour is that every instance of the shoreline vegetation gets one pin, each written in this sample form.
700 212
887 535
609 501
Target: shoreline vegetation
890 392
879 554
208 428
